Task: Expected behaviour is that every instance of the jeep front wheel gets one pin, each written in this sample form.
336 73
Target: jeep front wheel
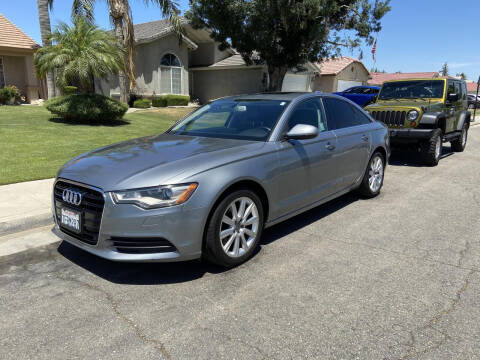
458 145
432 148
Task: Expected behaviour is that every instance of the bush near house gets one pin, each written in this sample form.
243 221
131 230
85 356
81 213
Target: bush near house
69 90
142 103
8 94
177 100
87 108
159 102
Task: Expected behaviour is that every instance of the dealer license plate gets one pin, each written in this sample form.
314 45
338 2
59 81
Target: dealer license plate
71 220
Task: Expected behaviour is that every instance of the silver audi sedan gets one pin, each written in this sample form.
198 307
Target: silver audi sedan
210 184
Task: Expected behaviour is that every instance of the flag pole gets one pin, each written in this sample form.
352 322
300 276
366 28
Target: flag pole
476 99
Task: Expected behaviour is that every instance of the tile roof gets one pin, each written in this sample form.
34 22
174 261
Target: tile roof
336 65
12 37
471 86
151 29
380 78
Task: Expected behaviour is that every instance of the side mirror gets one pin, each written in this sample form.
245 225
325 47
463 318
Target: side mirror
452 97
302 132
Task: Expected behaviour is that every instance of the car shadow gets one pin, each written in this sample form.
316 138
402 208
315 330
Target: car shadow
407 157
112 123
178 272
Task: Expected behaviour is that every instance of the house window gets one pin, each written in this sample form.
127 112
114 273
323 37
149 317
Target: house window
170 75
2 74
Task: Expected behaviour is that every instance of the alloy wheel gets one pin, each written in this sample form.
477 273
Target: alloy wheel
375 174
239 227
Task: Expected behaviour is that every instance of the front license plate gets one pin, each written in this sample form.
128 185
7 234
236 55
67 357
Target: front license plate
71 220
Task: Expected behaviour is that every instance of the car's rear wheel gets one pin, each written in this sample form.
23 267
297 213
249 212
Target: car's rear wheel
471 106
372 180
459 144
432 149
234 229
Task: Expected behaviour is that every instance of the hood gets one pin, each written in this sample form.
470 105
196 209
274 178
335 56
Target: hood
406 103
154 160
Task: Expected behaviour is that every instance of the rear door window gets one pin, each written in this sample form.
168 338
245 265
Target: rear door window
339 114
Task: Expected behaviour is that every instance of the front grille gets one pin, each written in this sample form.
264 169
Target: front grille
145 245
91 208
390 118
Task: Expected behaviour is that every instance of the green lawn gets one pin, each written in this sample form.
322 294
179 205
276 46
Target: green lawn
34 145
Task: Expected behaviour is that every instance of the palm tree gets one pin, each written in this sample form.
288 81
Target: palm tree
121 17
45 30
79 54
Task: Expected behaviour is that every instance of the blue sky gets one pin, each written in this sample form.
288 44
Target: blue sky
417 35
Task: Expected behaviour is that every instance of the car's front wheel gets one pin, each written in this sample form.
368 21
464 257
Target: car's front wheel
432 149
234 229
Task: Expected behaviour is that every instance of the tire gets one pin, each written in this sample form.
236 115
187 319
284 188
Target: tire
459 144
216 248
471 106
372 181
431 150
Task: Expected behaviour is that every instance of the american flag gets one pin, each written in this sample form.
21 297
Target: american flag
374 50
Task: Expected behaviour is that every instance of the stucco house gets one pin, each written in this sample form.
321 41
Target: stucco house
340 73
16 60
195 66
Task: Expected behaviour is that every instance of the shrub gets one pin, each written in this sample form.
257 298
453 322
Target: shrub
131 99
159 102
86 107
69 90
8 93
142 103
176 100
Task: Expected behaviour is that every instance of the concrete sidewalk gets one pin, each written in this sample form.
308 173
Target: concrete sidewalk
25 205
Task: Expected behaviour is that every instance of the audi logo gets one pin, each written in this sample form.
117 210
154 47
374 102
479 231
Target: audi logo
72 197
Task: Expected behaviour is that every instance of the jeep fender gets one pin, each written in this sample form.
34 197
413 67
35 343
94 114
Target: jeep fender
433 120
464 117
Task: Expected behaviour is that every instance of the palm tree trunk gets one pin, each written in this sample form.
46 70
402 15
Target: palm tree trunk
123 79
45 30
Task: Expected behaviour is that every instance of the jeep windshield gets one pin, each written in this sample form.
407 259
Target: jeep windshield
413 89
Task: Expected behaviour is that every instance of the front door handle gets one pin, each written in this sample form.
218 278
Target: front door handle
364 137
329 146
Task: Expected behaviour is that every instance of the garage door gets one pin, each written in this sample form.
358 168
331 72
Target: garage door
345 84
294 82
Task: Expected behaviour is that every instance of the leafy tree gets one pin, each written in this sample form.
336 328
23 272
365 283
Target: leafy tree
286 33
121 17
462 76
377 70
444 70
79 54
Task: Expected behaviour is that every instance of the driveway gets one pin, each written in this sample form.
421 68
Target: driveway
396 277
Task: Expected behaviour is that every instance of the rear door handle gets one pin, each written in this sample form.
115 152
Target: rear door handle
329 146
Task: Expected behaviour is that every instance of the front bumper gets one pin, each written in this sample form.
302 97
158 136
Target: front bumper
180 227
409 134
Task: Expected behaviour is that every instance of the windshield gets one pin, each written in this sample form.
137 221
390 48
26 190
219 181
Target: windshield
233 119
416 89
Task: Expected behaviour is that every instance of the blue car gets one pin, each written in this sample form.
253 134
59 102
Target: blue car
361 95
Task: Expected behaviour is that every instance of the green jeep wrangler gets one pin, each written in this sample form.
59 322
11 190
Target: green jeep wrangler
424 113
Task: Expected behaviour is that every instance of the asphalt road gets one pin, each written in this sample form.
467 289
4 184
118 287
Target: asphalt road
396 277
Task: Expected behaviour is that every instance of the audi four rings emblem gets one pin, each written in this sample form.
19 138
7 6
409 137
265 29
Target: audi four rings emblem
72 197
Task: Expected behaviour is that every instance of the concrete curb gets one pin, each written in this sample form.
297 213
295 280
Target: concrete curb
26 223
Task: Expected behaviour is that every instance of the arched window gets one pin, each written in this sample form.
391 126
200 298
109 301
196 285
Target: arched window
170 75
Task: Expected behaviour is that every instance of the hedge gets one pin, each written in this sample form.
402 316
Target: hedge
69 90
87 107
177 100
142 103
159 102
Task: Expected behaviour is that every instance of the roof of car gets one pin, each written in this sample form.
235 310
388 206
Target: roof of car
416 79
286 96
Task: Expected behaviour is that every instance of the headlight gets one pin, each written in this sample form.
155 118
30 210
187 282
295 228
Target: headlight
412 115
156 197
